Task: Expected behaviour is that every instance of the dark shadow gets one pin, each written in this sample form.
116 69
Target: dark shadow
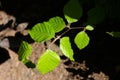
7 25
2 27
75 69
14 42
30 64
102 53
78 72
63 57
34 12
4 56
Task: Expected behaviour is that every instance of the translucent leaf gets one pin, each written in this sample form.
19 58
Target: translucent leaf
89 27
57 23
114 34
24 52
72 11
81 40
65 47
42 32
48 61
96 15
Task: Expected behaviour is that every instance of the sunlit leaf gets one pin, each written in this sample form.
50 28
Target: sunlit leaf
81 40
89 27
72 11
42 32
48 61
24 51
57 23
65 47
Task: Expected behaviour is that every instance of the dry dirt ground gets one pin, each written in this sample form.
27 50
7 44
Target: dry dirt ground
12 69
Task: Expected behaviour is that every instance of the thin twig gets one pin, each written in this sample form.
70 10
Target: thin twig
58 37
77 28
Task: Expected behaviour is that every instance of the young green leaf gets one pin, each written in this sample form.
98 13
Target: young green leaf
89 27
48 61
81 40
24 51
65 47
57 23
42 32
72 11
114 34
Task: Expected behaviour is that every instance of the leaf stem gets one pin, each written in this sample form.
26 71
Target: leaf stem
77 28
59 36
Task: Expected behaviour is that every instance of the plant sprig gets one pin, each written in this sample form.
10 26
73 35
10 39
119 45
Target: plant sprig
45 31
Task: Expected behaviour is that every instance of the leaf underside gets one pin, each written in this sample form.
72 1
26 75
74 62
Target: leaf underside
42 32
57 23
81 40
48 61
66 48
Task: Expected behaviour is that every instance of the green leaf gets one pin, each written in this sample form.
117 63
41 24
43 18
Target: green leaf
72 11
42 32
114 34
57 23
89 27
81 40
48 61
24 52
96 15
65 47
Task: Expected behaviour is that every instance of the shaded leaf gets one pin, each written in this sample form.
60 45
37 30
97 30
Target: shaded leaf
65 47
42 32
114 34
72 11
48 61
57 23
81 40
96 15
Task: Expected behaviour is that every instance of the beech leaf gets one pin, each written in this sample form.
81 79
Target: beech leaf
48 61
81 40
66 48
